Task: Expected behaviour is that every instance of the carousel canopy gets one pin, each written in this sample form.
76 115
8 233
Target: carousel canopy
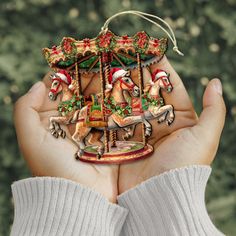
122 50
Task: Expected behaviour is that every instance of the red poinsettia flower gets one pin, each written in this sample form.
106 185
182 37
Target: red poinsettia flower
86 42
105 40
67 45
142 39
125 39
156 43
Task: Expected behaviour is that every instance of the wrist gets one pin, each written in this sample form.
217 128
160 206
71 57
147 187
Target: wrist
44 205
170 203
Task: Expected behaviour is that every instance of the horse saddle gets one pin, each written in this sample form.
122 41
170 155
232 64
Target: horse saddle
95 116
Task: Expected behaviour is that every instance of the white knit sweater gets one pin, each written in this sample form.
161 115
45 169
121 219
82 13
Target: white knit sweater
169 204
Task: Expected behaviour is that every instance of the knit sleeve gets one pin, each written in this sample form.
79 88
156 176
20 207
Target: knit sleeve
55 206
172 204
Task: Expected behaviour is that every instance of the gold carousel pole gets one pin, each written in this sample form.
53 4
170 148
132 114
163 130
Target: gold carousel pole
140 78
77 77
113 133
113 137
103 82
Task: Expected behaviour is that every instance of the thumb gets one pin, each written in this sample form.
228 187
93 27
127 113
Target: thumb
212 117
35 96
26 117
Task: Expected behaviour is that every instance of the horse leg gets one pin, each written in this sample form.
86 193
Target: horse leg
164 113
162 117
78 137
55 128
132 120
148 128
126 135
95 139
129 132
167 114
171 116
62 120
52 127
75 117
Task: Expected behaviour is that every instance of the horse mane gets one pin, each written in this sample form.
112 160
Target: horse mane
147 87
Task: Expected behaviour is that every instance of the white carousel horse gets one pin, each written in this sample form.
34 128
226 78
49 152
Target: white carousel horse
114 121
159 111
61 83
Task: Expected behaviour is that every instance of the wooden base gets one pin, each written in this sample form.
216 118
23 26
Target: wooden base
125 151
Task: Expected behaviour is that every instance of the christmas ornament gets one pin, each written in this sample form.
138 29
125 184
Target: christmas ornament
121 103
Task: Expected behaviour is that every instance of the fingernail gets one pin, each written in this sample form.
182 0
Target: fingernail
218 86
35 87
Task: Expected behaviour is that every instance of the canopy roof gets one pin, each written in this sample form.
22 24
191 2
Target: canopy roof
123 50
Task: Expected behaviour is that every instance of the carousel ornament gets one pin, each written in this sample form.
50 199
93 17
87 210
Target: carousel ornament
124 100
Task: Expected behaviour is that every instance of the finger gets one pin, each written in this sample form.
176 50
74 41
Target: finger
47 80
179 97
49 105
26 117
212 118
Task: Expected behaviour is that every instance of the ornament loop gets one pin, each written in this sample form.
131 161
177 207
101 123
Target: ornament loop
176 49
143 15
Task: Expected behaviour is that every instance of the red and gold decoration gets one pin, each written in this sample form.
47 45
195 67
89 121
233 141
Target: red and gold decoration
121 103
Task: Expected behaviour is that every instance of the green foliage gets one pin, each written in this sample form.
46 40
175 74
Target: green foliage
75 103
113 107
206 33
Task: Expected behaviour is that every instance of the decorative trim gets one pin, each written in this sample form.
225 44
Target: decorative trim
70 49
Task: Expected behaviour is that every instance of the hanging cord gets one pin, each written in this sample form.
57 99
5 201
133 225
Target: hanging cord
143 15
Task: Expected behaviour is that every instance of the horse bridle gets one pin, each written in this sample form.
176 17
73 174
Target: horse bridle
52 90
130 86
166 84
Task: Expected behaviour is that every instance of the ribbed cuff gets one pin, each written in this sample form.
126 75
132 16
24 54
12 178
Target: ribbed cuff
55 206
172 203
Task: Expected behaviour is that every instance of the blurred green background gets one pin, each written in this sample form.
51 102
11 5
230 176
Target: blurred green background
205 31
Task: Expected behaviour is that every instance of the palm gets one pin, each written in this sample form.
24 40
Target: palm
60 162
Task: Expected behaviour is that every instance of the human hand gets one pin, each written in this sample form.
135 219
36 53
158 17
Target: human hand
47 156
189 140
